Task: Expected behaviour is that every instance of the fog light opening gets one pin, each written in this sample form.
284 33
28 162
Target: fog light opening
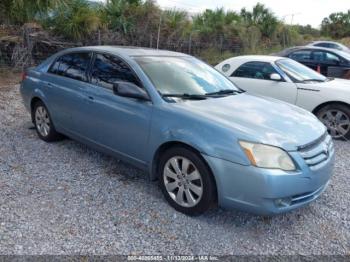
283 202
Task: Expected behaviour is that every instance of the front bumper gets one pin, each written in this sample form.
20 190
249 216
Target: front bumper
269 191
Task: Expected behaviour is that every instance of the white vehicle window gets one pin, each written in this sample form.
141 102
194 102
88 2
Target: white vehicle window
257 70
299 72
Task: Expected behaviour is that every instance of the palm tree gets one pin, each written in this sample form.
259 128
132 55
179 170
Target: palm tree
118 14
175 26
76 20
216 21
262 18
22 11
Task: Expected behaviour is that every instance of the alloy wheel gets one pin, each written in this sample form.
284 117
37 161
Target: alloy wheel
42 121
183 181
337 122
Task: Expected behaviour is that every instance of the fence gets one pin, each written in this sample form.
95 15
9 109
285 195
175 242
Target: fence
22 47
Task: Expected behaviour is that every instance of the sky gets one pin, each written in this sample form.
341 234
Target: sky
291 11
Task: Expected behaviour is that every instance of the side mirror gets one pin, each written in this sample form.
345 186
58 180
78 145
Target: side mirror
128 89
275 77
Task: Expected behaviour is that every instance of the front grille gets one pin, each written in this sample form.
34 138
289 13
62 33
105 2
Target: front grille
318 151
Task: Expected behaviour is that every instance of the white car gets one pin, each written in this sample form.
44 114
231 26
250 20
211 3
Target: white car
331 45
285 79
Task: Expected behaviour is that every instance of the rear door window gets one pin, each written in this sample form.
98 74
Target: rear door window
72 65
301 55
318 56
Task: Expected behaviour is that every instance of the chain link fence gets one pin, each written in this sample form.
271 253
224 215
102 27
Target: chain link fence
26 46
22 47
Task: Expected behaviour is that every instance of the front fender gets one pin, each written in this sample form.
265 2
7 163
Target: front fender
205 137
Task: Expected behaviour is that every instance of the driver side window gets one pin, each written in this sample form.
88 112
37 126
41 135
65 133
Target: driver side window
332 58
255 70
108 70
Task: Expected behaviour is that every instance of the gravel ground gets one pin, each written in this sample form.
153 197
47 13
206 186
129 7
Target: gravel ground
64 198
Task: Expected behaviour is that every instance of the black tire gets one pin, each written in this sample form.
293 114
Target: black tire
52 135
335 107
208 197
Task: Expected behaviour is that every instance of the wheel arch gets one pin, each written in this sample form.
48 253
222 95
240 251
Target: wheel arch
33 101
319 107
162 148
169 144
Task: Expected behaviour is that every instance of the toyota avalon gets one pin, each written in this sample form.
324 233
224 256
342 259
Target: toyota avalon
206 141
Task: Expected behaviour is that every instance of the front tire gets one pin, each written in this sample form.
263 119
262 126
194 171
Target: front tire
336 117
186 181
43 123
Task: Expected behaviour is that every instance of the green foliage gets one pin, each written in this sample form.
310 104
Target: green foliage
337 25
262 18
117 14
136 22
23 11
175 25
307 30
216 22
288 35
76 20
213 56
250 37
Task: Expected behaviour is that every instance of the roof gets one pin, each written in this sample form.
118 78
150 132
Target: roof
237 61
263 58
288 50
324 41
128 51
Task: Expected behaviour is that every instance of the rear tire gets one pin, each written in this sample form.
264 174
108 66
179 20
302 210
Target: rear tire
186 181
336 117
43 123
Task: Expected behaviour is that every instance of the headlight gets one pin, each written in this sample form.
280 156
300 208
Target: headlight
267 156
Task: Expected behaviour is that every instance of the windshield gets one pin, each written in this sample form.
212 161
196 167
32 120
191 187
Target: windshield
299 72
183 75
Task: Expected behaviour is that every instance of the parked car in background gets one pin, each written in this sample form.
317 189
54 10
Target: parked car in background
290 81
330 44
205 140
328 62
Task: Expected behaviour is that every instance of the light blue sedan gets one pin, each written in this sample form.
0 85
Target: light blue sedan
205 140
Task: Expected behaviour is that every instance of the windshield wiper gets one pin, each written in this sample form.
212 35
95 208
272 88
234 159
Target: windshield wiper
185 96
225 92
204 96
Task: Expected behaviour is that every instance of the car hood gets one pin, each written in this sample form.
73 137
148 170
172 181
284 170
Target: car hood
259 119
337 83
